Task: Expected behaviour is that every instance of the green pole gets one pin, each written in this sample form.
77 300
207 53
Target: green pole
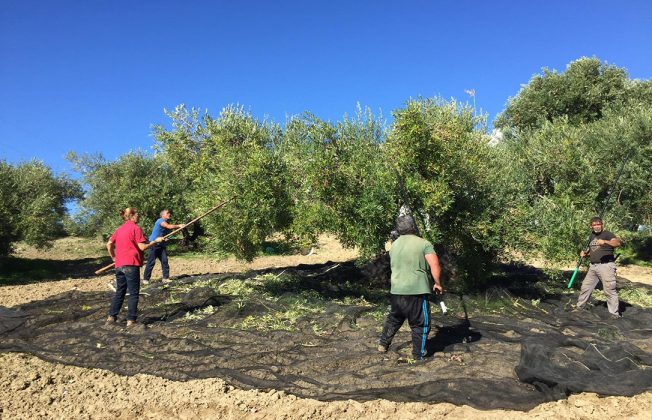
602 211
570 283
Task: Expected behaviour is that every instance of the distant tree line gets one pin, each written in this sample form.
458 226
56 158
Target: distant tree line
528 188
32 204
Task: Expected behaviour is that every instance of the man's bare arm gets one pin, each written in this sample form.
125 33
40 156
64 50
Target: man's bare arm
167 225
435 270
145 245
613 242
110 246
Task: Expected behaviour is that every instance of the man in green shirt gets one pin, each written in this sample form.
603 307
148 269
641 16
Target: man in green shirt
411 258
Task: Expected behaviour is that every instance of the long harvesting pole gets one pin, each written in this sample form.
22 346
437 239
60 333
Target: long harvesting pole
108 267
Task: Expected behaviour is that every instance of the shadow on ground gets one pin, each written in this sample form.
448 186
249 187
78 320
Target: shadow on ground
16 270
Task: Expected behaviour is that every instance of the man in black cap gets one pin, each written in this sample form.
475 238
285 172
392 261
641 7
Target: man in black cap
411 258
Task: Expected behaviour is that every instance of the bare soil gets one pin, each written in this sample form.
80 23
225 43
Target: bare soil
33 388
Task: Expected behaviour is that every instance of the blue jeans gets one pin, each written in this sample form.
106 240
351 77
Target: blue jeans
157 251
127 277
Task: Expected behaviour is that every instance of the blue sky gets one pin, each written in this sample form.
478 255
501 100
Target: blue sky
93 76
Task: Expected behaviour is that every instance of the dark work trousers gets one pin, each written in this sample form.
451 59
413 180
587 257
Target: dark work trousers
414 308
127 278
157 251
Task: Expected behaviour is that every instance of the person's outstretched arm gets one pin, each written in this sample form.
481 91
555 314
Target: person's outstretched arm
145 245
435 270
110 246
167 225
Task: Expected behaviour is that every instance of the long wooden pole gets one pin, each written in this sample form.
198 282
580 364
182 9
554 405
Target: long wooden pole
110 266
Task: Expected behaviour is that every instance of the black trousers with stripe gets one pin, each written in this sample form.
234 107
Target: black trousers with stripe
414 308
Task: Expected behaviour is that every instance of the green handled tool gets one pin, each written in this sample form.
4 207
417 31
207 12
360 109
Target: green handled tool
570 283
577 269
601 213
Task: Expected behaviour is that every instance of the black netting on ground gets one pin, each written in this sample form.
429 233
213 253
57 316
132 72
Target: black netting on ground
306 330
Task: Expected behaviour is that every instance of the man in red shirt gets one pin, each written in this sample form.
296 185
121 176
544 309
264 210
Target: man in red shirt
126 247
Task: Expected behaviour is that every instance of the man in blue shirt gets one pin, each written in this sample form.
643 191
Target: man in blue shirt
161 228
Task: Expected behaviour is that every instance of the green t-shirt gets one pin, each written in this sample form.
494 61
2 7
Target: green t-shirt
409 267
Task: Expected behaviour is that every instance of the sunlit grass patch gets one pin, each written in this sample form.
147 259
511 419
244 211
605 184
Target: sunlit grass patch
554 286
186 287
171 300
283 319
274 322
265 284
317 329
639 296
609 334
199 313
379 313
353 300
496 301
283 310
490 302
237 287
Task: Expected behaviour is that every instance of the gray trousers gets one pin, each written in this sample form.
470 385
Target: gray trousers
606 273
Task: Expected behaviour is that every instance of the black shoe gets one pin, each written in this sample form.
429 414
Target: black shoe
410 361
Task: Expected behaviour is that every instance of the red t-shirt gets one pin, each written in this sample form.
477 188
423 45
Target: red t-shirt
126 239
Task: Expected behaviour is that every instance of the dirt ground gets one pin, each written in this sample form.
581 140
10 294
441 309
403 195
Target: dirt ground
32 388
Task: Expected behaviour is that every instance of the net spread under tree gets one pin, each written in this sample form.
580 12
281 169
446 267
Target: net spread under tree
245 329
307 330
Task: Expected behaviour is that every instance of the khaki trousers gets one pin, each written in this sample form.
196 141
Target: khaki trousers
606 273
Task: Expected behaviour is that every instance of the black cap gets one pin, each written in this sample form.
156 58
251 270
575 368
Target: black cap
405 225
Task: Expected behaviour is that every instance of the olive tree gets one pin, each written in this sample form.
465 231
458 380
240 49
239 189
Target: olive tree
560 175
32 204
338 180
236 159
581 94
441 151
566 136
135 179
